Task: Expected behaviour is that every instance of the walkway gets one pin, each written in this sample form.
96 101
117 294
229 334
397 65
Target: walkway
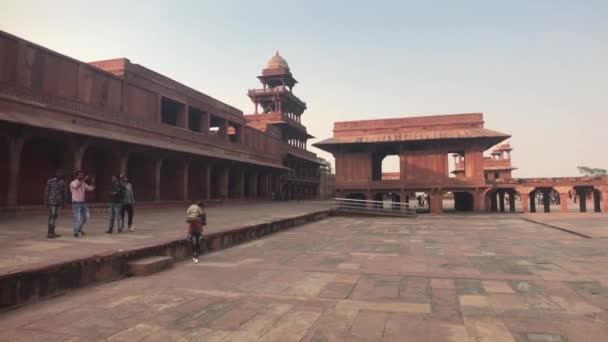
23 242
353 279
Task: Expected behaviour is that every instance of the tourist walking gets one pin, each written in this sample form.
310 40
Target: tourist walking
196 219
128 201
79 187
55 196
117 195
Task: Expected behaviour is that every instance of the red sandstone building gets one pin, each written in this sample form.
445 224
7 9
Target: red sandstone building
423 145
174 142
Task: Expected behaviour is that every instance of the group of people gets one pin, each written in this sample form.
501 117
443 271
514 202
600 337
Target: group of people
56 196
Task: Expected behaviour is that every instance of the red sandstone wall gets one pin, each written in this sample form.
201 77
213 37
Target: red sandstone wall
353 167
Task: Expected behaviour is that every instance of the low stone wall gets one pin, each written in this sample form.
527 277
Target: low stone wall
28 286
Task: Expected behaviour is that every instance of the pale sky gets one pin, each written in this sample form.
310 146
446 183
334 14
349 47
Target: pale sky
537 69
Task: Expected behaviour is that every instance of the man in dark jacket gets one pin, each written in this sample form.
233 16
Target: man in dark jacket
116 198
55 196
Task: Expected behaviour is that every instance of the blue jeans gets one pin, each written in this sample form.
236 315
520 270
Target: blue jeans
81 215
116 213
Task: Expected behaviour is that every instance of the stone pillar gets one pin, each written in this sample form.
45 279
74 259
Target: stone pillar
241 183
207 181
158 163
436 202
185 183
205 117
596 201
479 200
603 189
563 197
533 201
501 200
14 170
124 162
494 202
223 182
79 151
547 200
512 201
582 199
370 197
525 197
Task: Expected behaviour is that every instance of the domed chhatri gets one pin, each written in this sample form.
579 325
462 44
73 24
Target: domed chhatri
277 62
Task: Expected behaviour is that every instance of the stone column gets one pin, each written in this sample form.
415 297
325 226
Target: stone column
205 123
223 182
494 202
158 163
603 189
254 185
370 197
533 201
124 162
207 181
479 200
14 170
596 201
563 197
525 197
501 200
186 181
436 202
547 200
79 151
582 199
512 201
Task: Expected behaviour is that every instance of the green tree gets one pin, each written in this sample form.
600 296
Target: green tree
325 165
592 172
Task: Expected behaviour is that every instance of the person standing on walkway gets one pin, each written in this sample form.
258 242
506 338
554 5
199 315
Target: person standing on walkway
78 188
196 219
55 196
117 195
128 201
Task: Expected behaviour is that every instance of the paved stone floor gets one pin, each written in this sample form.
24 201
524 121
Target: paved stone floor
353 279
23 242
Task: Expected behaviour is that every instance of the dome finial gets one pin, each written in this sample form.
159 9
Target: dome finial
277 62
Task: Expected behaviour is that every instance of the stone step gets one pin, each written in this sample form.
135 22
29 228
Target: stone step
149 265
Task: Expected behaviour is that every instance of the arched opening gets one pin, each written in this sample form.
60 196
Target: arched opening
390 168
4 172
196 180
141 174
102 164
171 179
40 158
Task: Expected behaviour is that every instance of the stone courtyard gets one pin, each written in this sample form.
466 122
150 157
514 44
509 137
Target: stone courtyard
435 278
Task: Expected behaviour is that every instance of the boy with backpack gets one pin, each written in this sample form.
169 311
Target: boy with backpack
196 219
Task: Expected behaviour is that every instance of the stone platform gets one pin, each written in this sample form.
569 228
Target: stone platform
467 278
32 266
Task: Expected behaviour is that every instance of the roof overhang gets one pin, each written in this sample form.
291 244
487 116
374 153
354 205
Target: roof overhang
118 135
484 136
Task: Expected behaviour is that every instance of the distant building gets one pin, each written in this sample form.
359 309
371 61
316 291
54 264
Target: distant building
496 166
